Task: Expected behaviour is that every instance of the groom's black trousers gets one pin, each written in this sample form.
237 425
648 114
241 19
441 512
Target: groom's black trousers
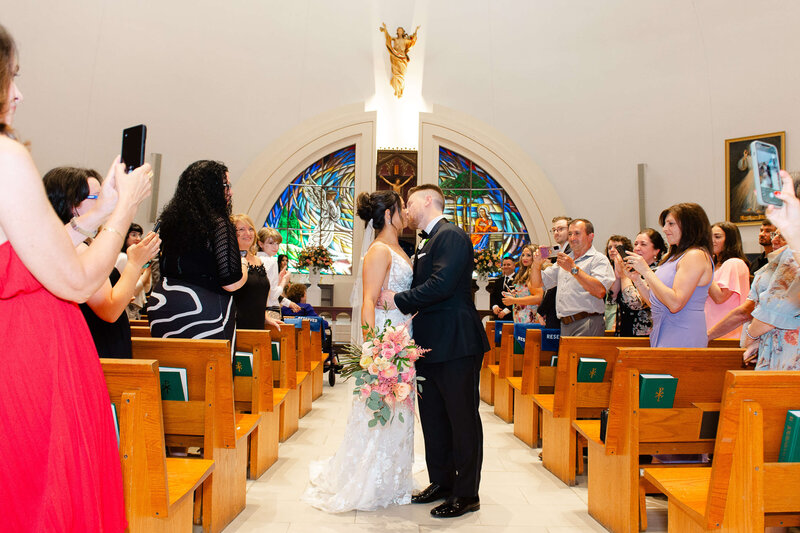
451 425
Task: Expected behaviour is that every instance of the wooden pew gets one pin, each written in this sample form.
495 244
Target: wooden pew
158 490
503 393
489 360
255 394
139 322
285 381
304 377
207 420
746 489
616 495
572 399
538 377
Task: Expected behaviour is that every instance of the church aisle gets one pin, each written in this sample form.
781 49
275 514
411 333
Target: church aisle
517 493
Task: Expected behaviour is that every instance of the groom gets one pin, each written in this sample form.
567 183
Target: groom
448 324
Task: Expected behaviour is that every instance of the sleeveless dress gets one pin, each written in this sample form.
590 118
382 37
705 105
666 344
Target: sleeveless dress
524 314
372 468
59 461
687 327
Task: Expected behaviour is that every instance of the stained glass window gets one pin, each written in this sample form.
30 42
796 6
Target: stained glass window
477 203
317 209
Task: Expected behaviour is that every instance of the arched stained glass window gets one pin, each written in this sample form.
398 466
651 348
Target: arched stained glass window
317 209
479 205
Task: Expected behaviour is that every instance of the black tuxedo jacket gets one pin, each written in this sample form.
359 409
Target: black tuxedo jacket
441 295
496 296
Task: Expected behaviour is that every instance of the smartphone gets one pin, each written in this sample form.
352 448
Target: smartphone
157 227
621 251
766 169
544 251
133 141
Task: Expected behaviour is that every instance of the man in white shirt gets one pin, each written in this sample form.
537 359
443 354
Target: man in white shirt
583 277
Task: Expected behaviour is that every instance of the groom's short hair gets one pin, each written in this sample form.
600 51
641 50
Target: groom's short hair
439 196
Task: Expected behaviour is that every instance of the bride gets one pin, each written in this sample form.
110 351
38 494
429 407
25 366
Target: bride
372 468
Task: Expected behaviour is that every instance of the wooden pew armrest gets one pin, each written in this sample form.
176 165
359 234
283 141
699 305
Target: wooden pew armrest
494 369
686 487
278 396
545 401
245 424
185 475
516 383
590 429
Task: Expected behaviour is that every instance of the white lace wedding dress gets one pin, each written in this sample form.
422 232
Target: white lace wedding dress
372 468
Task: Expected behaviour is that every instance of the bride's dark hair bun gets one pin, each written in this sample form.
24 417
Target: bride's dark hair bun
372 206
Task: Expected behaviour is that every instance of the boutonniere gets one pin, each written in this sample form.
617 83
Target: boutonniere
423 242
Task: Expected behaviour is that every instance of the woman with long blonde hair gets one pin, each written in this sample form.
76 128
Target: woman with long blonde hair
525 298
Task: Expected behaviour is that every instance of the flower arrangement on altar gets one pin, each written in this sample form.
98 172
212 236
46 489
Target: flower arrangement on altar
487 262
383 367
314 257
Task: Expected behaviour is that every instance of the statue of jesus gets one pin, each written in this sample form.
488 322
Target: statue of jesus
398 54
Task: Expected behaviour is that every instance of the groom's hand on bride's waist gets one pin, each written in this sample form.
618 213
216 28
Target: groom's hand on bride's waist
386 300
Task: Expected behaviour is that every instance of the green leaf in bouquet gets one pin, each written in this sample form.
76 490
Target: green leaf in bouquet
386 412
375 395
383 421
372 423
400 416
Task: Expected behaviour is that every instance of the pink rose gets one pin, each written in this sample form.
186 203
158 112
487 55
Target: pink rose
390 372
401 391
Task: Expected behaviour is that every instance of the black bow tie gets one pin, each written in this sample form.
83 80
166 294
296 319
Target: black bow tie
423 234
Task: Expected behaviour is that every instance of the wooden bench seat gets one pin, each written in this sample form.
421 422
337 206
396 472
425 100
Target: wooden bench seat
616 492
207 420
256 394
158 490
489 361
537 377
746 489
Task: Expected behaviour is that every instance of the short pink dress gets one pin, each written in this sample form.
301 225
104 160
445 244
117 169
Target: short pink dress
733 275
59 462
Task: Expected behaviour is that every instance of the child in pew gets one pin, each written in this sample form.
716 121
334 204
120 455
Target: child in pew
296 293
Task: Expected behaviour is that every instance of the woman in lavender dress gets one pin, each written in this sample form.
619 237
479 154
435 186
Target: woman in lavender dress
679 288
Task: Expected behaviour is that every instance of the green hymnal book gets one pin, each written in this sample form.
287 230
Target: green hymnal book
790 444
276 351
243 364
554 361
116 421
591 369
657 391
173 384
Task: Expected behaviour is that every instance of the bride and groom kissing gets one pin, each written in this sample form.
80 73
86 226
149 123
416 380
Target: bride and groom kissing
373 466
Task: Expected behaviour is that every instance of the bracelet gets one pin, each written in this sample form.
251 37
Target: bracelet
747 332
88 234
113 230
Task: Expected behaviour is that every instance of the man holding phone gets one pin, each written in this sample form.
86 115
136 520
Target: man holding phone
547 309
582 277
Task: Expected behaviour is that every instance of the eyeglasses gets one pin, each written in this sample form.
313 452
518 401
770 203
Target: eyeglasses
775 234
244 230
561 228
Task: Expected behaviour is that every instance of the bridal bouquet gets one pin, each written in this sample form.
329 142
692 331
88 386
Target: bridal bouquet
314 257
487 262
384 371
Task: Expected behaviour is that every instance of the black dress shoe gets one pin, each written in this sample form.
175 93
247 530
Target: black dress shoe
431 493
456 507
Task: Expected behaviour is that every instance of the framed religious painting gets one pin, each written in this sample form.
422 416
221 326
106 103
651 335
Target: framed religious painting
741 206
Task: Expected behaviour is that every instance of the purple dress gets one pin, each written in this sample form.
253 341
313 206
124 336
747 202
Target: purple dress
687 327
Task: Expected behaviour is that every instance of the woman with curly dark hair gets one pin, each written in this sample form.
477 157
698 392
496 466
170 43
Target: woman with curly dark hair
200 261
731 283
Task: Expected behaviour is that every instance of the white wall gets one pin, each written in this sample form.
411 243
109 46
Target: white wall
586 88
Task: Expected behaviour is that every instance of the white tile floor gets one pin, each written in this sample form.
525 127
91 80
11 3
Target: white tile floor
517 493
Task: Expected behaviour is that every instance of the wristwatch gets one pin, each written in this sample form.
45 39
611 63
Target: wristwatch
574 271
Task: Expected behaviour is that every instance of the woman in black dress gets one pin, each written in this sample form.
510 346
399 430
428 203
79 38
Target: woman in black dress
200 262
72 192
251 298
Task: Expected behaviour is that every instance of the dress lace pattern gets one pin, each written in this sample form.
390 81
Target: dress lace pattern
372 468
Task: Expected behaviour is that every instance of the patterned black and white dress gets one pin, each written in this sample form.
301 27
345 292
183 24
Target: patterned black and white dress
189 301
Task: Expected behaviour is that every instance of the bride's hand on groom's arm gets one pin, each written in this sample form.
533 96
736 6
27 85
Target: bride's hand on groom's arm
386 300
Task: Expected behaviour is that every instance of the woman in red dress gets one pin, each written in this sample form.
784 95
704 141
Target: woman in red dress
59 462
